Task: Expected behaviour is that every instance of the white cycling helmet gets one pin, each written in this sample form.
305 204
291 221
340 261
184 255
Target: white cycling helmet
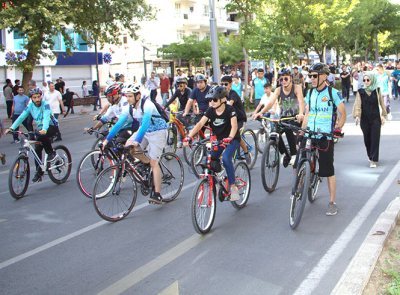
132 88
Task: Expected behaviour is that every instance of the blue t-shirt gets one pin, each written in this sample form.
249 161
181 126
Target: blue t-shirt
200 97
383 83
238 88
396 74
322 112
20 102
43 116
259 87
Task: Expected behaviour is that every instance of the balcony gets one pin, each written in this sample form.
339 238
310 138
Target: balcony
192 20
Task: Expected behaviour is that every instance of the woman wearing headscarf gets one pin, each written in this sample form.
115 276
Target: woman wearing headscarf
369 109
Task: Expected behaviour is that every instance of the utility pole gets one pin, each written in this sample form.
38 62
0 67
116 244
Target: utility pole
144 60
214 42
376 48
97 71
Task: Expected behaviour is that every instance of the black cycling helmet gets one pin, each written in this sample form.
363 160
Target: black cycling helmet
320 68
200 77
218 91
282 65
181 80
284 72
35 91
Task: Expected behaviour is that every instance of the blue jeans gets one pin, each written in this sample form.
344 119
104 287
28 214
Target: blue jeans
164 98
227 159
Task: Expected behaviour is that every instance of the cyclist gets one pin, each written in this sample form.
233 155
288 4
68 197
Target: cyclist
126 120
152 133
235 101
291 103
199 95
273 113
183 94
223 121
320 115
46 123
117 104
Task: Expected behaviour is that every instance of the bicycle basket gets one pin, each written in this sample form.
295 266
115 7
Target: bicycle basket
195 119
216 164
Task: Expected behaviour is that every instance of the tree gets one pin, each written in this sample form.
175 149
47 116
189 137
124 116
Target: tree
190 49
41 21
230 51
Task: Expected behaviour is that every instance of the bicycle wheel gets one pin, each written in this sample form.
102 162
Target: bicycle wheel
203 206
61 169
115 194
170 146
302 184
172 176
99 139
198 157
270 166
314 185
18 177
243 183
251 142
89 168
187 151
262 140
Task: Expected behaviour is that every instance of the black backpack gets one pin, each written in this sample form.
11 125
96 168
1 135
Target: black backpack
161 111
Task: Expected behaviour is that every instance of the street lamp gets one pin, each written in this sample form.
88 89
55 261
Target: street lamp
144 59
214 42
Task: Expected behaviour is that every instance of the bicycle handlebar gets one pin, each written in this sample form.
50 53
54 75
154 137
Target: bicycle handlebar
310 132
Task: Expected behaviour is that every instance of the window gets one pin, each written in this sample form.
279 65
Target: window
77 41
177 10
1 36
180 34
197 34
80 43
208 35
19 39
191 9
206 11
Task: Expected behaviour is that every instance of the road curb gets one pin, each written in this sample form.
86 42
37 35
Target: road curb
358 272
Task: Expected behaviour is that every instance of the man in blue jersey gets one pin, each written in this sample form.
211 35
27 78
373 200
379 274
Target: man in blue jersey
320 115
198 94
46 123
257 87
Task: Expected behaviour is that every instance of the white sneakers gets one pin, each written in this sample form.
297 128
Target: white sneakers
372 164
235 194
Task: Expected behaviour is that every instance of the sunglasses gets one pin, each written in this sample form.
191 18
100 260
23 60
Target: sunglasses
284 79
366 80
315 76
225 84
180 85
214 99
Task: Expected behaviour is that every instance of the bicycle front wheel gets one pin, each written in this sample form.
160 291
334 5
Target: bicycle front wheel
198 157
203 206
61 169
251 142
99 139
298 202
18 177
243 183
270 166
314 185
89 168
114 193
172 176
262 139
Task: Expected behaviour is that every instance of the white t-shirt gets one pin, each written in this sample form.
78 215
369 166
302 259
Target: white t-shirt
264 101
85 91
53 98
110 81
45 89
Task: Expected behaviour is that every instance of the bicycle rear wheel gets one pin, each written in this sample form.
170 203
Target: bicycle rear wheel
172 176
18 177
251 142
298 202
262 139
89 168
114 194
203 206
243 183
61 169
270 166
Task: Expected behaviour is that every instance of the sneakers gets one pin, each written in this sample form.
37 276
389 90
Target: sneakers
179 145
15 141
372 164
3 158
332 209
235 194
156 198
37 178
389 116
248 158
292 160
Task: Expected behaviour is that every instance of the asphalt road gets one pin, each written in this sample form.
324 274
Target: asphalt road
53 242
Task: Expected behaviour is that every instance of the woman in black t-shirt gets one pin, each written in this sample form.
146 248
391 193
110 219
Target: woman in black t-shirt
223 122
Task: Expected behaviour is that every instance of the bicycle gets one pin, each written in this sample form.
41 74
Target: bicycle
271 155
262 135
115 189
213 183
103 132
18 178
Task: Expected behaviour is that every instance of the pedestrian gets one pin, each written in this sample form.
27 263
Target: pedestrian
360 78
171 83
257 87
396 78
254 74
45 89
110 80
8 94
142 80
369 109
53 97
164 86
85 91
269 76
386 88
60 86
68 100
20 102
190 79
345 80
2 156
389 66
298 78
237 86
307 81
119 78
17 83
332 68
331 79
95 89
153 84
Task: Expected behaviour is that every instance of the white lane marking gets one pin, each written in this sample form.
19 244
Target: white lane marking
70 236
154 265
320 270
1 220
172 289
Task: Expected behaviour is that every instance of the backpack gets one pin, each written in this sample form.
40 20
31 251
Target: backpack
160 110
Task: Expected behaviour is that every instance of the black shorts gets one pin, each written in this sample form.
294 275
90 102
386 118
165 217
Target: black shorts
326 157
240 124
125 134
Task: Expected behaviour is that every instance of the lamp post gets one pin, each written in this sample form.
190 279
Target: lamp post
214 42
144 59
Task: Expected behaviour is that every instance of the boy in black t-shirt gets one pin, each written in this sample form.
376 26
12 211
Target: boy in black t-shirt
223 122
